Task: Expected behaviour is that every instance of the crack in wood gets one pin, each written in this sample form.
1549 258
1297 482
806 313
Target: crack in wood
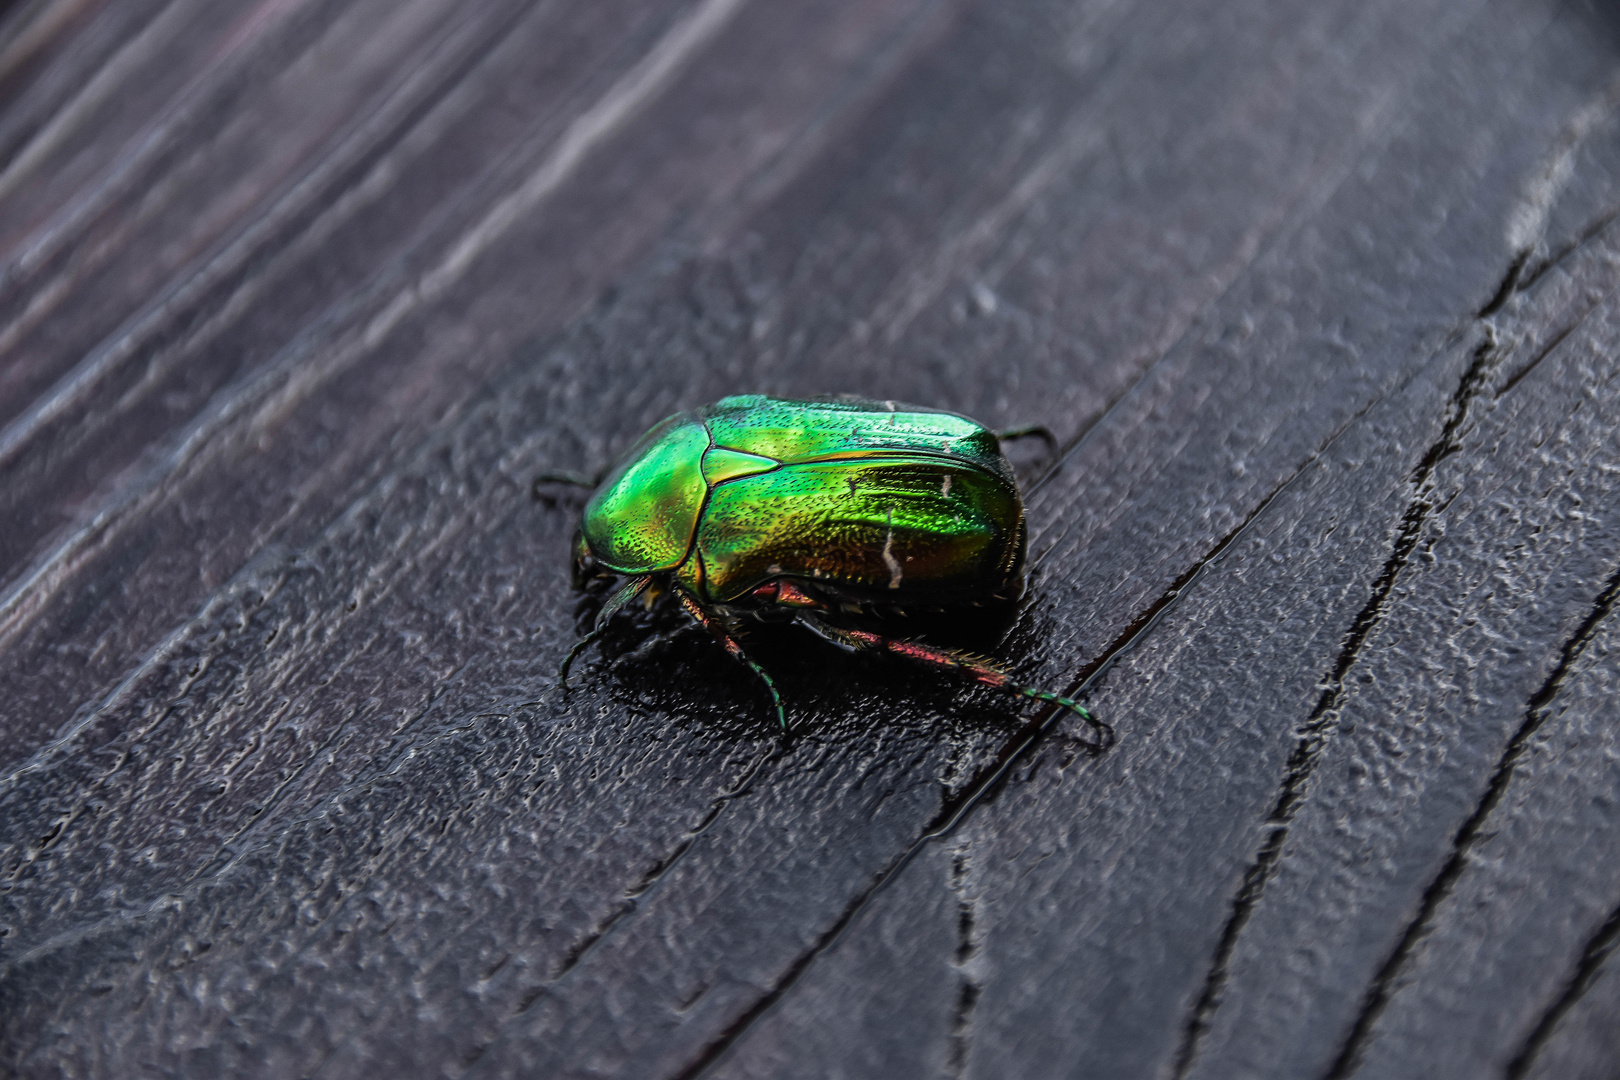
1383 987
721 803
1594 229
715 1051
1557 340
1314 734
1339 287
1587 969
583 947
1546 351
1508 287
981 791
959 1044
228 851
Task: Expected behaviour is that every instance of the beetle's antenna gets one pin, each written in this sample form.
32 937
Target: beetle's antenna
615 603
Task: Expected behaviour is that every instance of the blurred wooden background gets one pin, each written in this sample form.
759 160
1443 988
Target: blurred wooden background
297 295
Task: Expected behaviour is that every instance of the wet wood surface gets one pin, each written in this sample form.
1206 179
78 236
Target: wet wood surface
296 297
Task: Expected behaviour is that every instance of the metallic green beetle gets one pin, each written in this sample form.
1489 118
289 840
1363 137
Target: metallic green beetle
831 512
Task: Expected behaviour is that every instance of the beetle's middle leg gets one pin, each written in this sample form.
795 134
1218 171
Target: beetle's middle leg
710 623
587 481
977 666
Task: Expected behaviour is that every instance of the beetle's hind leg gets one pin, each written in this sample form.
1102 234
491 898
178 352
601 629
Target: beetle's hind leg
981 669
615 604
709 622
1034 431
1035 464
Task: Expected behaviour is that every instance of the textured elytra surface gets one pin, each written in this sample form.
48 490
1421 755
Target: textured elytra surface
297 296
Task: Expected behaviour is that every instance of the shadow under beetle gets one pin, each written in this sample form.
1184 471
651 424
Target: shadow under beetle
830 513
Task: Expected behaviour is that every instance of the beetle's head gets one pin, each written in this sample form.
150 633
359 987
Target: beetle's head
584 569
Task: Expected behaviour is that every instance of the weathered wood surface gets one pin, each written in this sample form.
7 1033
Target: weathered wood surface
296 296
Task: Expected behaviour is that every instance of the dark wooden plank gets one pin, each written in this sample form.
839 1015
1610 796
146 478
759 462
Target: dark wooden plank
272 440
1515 563
1119 861
290 791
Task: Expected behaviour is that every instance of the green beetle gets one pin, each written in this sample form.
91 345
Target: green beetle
830 512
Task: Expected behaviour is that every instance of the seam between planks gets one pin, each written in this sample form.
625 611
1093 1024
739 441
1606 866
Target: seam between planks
959 1036
1376 126
1587 969
983 788
597 934
1314 735
1383 987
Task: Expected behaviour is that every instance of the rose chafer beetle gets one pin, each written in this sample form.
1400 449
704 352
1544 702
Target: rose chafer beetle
830 513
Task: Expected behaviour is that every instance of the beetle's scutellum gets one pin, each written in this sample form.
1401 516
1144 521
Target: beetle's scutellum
828 512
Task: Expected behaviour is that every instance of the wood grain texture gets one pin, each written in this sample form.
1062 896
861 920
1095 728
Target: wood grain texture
297 295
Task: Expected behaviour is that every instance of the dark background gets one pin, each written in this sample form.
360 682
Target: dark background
296 296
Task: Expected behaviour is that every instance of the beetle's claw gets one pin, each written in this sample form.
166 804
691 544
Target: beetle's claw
568 661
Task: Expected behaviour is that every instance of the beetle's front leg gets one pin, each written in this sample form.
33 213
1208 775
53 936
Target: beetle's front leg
712 624
615 603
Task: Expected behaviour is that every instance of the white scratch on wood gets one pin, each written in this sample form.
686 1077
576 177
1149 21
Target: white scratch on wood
1528 219
619 104
153 38
623 100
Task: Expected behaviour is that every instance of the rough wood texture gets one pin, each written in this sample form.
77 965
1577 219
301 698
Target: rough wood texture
297 295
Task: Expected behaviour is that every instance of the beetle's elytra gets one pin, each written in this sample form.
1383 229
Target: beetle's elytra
829 513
